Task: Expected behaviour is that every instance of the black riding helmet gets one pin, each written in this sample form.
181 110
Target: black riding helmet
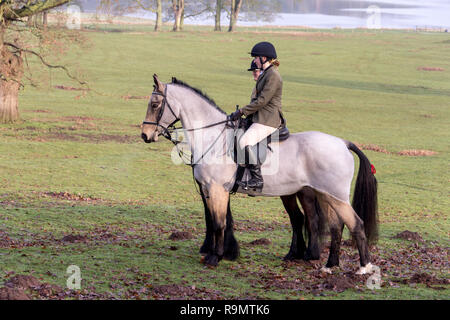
264 49
253 66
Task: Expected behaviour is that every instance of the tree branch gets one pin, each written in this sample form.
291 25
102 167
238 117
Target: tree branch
31 9
46 63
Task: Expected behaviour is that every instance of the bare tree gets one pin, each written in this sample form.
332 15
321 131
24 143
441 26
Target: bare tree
13 51
11 63
153 6
219 7
234 13
178 9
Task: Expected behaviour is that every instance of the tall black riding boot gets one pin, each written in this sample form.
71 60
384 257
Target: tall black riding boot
254 166
256 181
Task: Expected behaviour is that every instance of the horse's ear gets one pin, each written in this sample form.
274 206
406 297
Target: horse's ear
174 79
158 84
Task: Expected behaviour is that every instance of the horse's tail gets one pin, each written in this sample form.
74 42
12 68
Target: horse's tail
365 195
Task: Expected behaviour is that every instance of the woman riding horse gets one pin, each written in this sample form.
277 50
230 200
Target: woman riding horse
265 110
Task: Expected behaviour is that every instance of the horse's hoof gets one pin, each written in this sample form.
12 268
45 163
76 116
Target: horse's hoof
232 255
326 270
365 270
211 261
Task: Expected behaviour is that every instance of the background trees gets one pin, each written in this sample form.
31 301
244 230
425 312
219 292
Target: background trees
13 15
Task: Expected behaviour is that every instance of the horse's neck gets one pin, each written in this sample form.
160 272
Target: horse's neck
196 112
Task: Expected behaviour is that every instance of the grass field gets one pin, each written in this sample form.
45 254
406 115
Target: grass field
79 187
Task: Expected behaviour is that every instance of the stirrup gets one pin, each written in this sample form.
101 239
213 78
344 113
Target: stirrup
244 185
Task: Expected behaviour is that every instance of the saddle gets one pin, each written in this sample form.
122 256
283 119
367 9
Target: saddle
281 134
239 155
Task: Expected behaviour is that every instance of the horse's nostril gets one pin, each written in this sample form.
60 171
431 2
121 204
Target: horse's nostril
144 137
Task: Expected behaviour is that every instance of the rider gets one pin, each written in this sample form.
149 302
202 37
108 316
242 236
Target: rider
256 71
265 109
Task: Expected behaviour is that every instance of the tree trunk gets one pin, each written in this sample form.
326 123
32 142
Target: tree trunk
45 18
182 20
234 14
158 23
39 19
11 71
178 9
30 21
218 12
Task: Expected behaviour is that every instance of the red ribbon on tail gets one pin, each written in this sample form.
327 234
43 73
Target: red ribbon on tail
372 167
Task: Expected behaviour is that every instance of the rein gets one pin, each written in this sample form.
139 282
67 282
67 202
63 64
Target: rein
171 127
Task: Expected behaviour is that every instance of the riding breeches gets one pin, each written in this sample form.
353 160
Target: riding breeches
255 134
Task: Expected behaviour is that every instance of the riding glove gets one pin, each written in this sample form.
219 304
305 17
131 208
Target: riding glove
236 115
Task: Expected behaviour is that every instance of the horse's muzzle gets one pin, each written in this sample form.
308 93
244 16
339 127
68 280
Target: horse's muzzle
147 139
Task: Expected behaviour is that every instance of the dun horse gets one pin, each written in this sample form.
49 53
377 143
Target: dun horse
312 166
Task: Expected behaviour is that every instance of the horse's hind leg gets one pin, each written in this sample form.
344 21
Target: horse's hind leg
217 203
348 216
336 229
307 199
231 250
335 226
298 245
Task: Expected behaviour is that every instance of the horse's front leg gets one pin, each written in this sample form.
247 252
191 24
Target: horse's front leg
217 202
208 243
231 245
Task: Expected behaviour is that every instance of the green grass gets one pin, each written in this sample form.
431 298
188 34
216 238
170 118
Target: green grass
360 85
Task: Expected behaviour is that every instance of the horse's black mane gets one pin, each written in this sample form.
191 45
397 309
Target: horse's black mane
198 91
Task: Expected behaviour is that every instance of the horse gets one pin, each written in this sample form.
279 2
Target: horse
312 166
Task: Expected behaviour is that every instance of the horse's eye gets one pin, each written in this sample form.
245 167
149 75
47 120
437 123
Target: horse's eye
155 105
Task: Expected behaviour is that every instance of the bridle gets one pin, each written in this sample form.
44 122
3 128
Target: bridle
171 127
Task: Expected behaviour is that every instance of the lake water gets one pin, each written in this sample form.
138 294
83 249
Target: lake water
392 14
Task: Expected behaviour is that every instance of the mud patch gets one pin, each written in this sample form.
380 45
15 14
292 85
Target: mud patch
61 87
409 235
111 138
180 235
24 287
94 138
68 196
128 97
254 225
22 282
260 242
13 294
182 292
79 119
337 283
20 287
417 153
430 69
74 238
39 111
372 147
410 153
426 279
